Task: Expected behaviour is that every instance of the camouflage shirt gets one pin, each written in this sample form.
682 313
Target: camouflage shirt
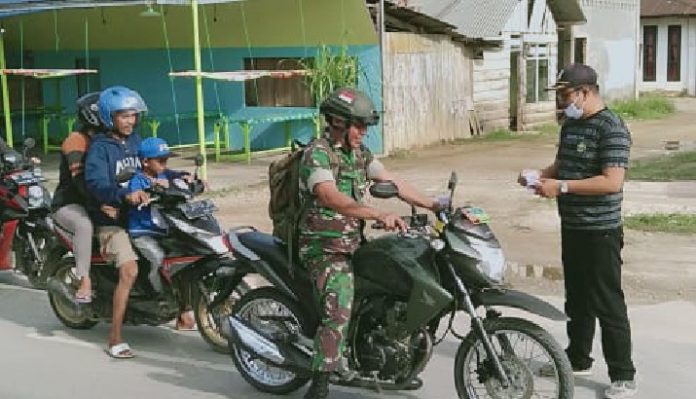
324 161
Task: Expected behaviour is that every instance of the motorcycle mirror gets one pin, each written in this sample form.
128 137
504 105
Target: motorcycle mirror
452 181
199 160
29 142
384 190
125 175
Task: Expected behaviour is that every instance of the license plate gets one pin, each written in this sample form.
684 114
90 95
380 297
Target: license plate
197 209
476 215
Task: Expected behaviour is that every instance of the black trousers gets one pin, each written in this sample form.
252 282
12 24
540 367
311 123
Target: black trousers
592 268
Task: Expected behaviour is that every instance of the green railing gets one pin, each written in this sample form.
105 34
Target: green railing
247 124
221 129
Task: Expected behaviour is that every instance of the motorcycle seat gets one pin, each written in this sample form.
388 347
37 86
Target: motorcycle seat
67 237
267 246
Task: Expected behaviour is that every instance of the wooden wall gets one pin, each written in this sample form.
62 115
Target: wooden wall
539 113
428 90
492 89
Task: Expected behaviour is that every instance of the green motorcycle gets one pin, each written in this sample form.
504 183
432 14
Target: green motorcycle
406 284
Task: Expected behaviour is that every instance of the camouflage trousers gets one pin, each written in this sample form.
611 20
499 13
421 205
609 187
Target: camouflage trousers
332 277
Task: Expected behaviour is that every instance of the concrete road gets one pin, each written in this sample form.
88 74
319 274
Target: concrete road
40 358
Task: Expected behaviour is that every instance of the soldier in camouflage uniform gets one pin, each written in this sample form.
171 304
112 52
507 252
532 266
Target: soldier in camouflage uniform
334 174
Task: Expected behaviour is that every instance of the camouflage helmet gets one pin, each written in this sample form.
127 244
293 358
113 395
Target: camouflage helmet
352 105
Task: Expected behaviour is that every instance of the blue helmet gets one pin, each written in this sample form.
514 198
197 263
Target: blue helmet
153 147
118 98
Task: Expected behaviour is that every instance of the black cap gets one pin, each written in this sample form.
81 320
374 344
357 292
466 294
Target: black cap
575 75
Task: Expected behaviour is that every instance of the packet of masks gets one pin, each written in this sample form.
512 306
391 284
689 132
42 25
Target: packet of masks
532 176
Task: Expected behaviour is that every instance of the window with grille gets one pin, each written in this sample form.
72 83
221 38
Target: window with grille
649 53
537 73
276 92
674 53
25 92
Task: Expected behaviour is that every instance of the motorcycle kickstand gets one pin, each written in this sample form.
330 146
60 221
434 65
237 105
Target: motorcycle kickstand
378 387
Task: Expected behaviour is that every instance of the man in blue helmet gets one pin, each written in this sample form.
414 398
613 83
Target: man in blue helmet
119 110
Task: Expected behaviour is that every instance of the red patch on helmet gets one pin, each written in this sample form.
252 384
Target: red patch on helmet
347 97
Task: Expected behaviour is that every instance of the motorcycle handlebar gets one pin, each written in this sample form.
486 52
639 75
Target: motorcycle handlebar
412 221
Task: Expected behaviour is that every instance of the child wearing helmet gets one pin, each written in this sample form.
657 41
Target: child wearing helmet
71 197
145 224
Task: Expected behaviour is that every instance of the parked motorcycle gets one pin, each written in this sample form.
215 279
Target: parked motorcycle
25 204
405 285
195 269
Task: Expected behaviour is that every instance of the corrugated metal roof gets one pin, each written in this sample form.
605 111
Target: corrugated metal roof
473 18
487 18
404 19
666 8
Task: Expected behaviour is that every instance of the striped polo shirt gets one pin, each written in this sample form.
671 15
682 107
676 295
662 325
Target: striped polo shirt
587 146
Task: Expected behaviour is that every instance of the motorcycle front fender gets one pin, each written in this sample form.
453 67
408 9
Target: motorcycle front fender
518 300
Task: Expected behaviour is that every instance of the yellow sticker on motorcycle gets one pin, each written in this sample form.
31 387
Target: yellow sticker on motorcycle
439 226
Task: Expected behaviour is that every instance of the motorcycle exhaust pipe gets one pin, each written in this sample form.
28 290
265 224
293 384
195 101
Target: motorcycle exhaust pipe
281 354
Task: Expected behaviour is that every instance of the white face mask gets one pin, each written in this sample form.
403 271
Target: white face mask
572 111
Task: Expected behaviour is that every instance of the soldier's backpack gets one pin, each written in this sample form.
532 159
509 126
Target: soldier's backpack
285 206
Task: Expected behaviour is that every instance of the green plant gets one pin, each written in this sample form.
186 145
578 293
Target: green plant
154 126
648 106
664 223
329 71
678 166
548 129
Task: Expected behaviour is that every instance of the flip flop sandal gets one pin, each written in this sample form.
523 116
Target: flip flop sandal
184 328
83 299
120 351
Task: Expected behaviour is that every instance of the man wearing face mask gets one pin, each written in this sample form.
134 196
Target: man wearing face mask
587 179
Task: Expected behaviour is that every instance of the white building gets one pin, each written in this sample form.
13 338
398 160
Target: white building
668 46
516 56
609 43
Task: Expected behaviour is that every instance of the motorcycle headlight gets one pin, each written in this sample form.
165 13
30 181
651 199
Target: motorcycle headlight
492 262
10 158
35 196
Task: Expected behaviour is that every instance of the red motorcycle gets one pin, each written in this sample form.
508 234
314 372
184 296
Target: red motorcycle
195 273
24 207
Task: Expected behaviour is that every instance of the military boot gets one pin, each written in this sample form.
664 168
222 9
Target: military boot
320 386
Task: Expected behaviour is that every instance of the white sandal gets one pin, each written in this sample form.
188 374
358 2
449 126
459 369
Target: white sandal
120 351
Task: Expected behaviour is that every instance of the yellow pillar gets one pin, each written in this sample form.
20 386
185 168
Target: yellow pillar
199 88
5 92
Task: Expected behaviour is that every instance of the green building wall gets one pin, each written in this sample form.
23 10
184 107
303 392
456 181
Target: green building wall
135 51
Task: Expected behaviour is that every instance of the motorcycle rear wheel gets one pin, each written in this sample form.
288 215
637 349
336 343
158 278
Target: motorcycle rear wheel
66 312
257 373
209 321
474 375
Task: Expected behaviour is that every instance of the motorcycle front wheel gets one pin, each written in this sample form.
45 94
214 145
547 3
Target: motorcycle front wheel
536 365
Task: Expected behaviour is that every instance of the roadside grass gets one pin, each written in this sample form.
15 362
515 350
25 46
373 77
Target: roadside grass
678 166
545 130
647 106
662 223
